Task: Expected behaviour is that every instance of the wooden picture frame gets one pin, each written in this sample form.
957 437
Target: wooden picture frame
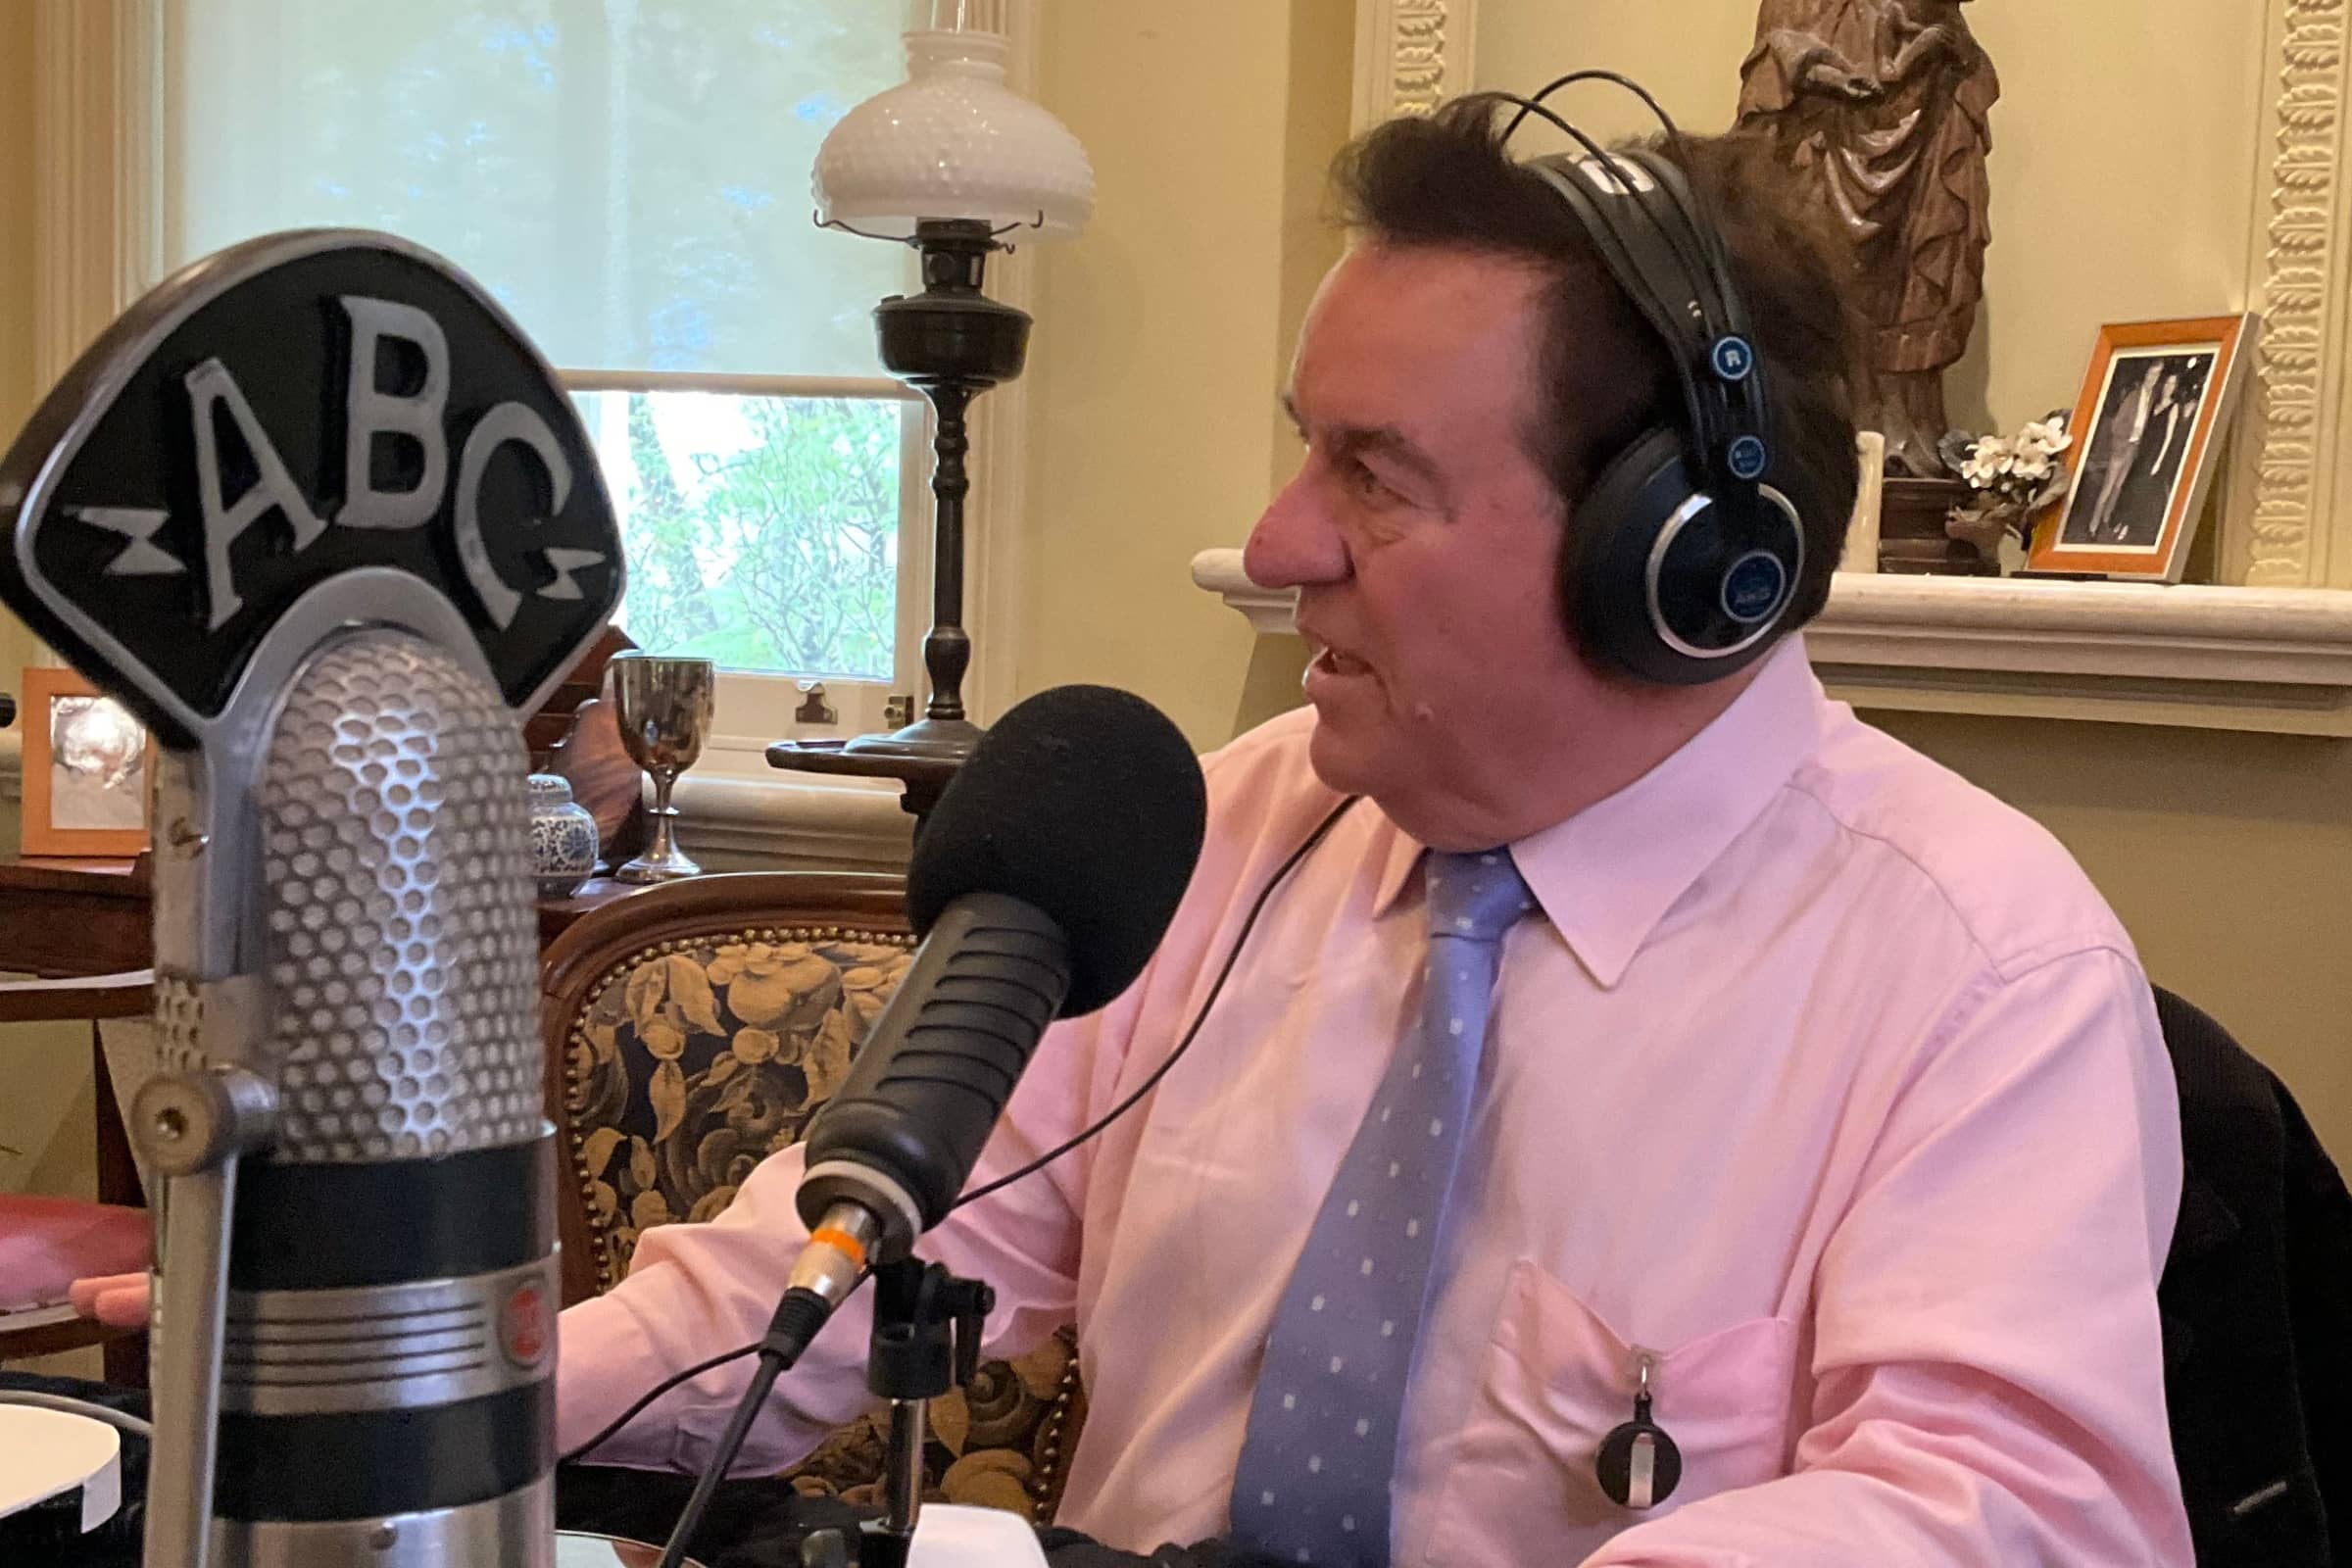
83 794
2147 428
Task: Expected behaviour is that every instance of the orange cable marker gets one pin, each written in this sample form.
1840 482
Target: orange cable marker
841 1241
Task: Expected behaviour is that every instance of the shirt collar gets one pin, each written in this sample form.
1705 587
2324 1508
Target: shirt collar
1606 876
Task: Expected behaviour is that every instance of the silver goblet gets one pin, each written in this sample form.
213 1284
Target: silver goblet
664 709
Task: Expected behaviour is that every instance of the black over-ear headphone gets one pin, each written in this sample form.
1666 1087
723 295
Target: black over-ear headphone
1682 561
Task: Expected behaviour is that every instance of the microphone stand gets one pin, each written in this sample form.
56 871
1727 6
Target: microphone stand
926 1340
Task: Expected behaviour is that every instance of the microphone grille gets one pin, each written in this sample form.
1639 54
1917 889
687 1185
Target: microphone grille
401 935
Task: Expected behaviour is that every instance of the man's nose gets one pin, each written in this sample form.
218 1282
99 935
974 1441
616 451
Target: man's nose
1296 543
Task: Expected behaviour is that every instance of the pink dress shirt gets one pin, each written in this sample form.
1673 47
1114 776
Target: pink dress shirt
1826 1081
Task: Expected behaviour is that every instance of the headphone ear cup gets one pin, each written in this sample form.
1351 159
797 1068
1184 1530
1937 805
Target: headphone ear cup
1604 583
1662 582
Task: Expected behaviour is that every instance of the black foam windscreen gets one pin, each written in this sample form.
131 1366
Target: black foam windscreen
1087 804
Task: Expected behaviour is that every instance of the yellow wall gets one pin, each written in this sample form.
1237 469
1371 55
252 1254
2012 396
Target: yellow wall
2123 161
45 1114
1163 331
15 214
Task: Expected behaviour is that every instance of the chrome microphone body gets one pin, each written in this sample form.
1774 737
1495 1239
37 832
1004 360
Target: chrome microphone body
390 1266
321 516
391 1272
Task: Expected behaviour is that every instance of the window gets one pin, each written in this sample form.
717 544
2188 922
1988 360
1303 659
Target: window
766 523
631 179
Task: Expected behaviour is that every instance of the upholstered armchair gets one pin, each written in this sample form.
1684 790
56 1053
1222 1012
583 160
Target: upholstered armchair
695 1027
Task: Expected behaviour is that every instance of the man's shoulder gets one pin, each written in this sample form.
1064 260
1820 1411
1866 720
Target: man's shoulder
2003 877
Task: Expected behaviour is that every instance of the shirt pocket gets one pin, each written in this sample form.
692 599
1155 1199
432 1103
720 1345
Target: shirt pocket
1558 1379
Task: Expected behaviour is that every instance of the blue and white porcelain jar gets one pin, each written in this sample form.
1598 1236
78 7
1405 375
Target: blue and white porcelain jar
563 837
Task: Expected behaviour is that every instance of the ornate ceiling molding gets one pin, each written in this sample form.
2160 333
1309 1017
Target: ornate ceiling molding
1411 55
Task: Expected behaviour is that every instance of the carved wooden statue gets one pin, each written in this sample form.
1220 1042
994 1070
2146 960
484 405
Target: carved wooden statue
1882 110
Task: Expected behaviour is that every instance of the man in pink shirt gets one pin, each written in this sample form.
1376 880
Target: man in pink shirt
1820 1109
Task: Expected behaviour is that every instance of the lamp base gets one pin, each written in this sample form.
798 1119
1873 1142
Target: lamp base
945 740
923 757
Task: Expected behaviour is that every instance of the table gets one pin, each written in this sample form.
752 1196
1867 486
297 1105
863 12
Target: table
63 918
556 915
68 917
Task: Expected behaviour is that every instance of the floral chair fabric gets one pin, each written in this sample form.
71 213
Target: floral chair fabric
697 1058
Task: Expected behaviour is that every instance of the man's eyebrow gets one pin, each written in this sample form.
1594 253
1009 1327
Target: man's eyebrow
1385 440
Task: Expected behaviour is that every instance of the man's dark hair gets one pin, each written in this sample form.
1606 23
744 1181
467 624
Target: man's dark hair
1446 180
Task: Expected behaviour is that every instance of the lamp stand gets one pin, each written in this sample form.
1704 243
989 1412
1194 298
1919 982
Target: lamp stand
951 343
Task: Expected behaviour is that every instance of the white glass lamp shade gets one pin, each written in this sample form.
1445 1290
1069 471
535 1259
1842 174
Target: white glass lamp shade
954 141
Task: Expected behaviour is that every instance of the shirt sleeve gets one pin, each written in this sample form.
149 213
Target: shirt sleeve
696 1291
1986 1352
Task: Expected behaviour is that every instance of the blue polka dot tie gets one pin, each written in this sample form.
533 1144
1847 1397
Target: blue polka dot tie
1313 1481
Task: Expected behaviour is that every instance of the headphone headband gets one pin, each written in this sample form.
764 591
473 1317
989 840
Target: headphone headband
1636 210
1682 559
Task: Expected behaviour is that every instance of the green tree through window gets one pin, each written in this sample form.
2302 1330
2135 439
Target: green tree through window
762 532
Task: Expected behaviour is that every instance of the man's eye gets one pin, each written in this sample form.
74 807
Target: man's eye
1364 483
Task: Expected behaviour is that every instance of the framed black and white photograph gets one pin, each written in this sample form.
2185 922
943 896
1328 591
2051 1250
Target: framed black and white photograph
2154 406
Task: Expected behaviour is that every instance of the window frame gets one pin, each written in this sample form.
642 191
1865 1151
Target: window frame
100 194
754 708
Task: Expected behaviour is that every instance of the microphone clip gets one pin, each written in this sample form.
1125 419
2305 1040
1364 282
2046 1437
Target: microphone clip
927 1330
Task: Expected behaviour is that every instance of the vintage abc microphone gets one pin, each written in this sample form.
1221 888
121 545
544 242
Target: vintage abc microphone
322 516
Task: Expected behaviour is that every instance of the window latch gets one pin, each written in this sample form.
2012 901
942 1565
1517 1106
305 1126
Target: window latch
813 709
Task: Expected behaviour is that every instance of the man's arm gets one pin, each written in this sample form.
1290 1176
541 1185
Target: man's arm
695 1290
1988 1362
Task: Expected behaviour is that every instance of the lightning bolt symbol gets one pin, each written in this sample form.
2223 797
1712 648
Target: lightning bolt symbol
563 564
142 557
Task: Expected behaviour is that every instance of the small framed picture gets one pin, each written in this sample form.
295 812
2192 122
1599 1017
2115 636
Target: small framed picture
86 763
2147 428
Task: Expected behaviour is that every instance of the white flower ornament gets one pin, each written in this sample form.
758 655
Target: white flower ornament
2045 436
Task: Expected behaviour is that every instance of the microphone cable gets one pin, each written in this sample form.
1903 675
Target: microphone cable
722 1458
686 1375
1232 957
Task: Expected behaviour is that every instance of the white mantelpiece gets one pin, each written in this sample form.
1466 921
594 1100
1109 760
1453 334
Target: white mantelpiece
2277 659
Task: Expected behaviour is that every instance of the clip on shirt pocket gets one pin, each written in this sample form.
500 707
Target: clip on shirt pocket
1559 1382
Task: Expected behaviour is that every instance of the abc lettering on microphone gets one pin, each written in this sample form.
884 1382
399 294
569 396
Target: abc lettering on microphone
320 513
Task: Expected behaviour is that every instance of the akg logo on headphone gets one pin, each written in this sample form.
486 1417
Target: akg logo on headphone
1753 587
